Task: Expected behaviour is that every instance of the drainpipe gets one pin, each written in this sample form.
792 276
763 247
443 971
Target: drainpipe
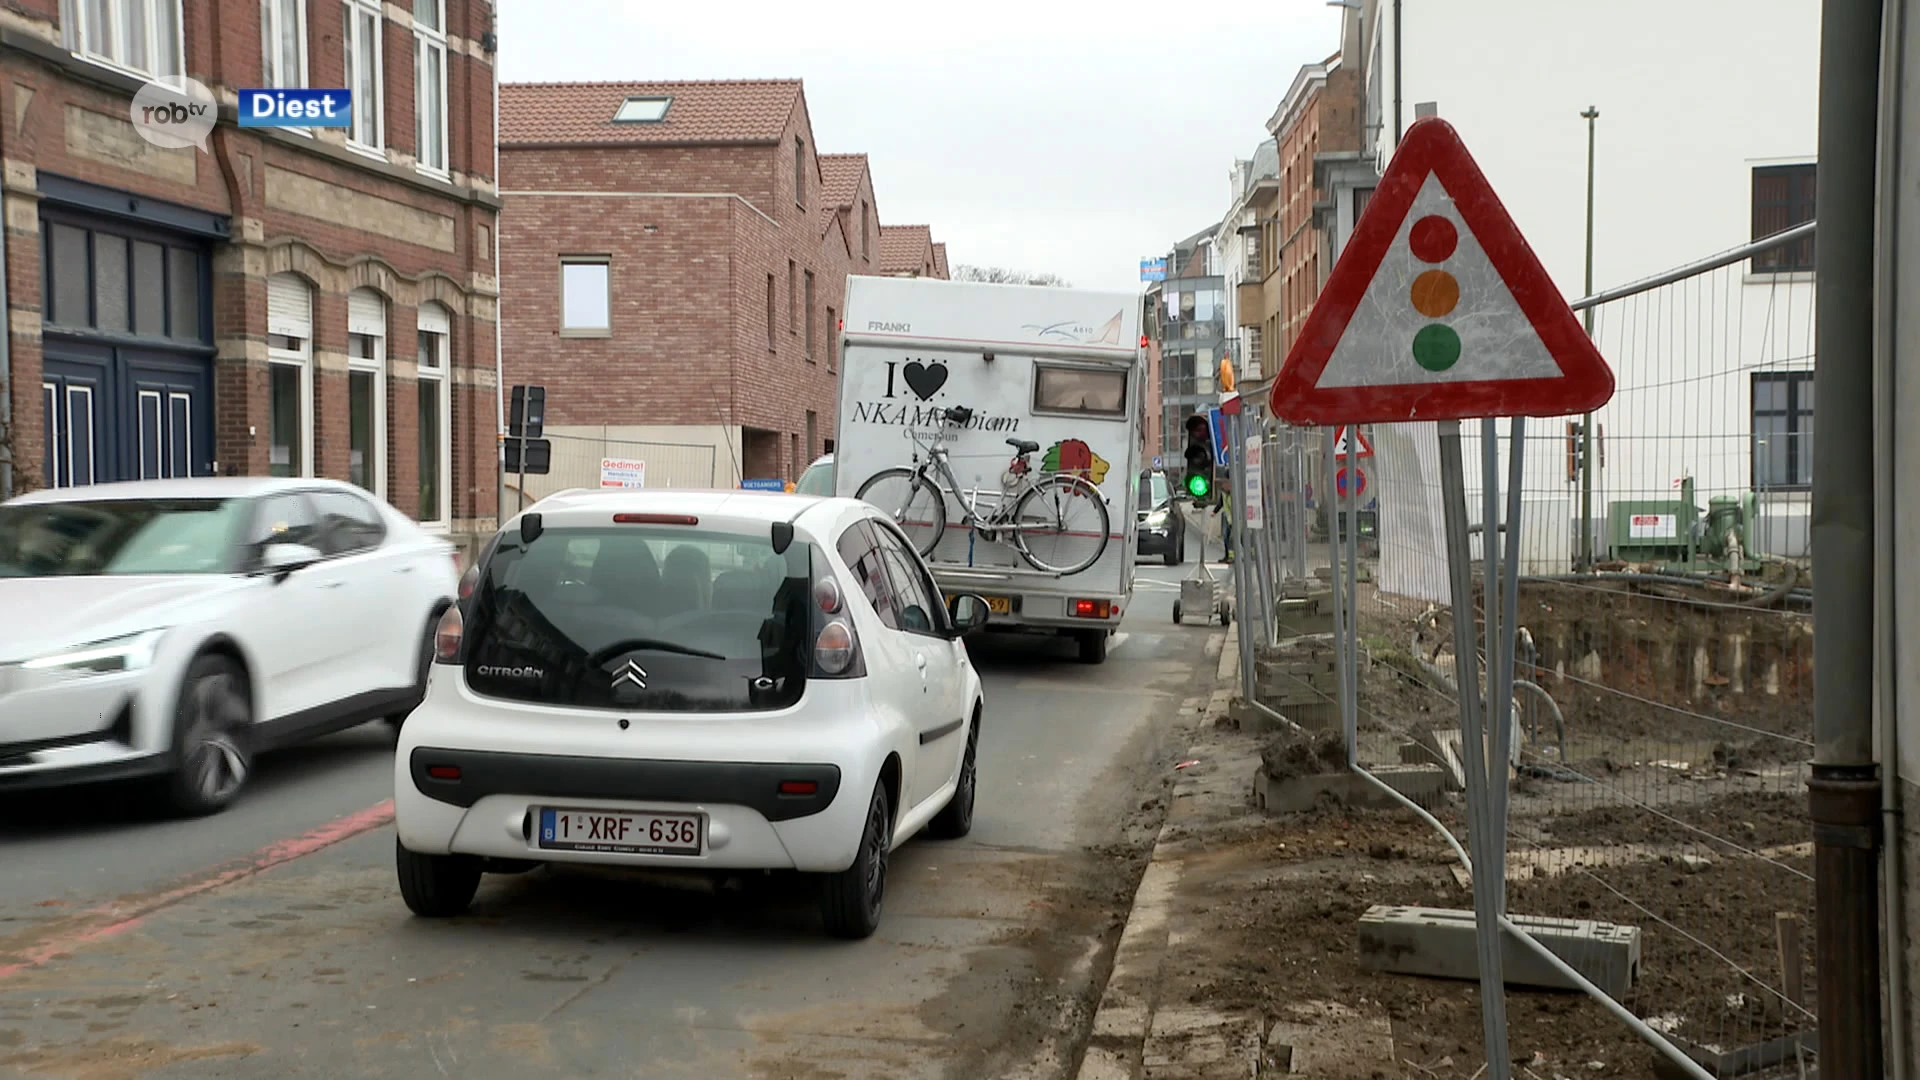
1397 129
499 314
6 354
1844 792
1886 659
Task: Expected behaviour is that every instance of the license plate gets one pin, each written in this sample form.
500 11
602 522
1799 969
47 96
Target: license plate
621 831
996 605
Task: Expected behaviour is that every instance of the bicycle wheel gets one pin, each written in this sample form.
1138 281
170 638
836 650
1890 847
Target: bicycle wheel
914 503
1061 525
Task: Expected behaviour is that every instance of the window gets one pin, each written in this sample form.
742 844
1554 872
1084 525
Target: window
770 308
918 600
430 85
367 391
813 435
642 110
1783 430
862 555
833 336
586 297
121 284
283 45
1253 350
576 607
347 524
809 303
436 415
1086 391
1783 198
793 297
290 376
119 536
1250 241
800 172
283 519
866 233
364 59
141 36
1361 197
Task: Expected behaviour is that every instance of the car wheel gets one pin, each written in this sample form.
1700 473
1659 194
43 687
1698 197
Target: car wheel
955 819
1172 556
1093 647
423 669
850 900
212 723
1176 613
436 886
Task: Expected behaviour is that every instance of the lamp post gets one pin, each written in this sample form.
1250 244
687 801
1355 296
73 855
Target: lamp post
1591 114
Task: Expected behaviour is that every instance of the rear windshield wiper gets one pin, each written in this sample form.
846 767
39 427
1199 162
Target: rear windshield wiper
633 644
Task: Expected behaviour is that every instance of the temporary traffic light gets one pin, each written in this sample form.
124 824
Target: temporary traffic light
1199 481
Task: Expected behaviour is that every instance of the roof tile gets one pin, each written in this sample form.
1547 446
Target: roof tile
905 248
715 112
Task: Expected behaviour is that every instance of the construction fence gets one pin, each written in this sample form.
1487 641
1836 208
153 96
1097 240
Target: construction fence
593 461
1662 652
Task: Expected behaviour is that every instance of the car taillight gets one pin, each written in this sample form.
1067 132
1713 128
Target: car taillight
826 593
833 647
447 635
469 580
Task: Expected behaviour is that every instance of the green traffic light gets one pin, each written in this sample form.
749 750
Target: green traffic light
1197 486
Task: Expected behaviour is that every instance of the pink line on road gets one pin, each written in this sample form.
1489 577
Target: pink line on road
120 916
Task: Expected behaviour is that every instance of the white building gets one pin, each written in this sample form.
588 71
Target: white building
1237 252
1705 140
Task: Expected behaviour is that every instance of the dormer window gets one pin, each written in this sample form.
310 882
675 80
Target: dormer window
642 110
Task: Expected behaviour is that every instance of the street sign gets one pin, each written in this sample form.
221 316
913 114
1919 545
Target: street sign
1253 511
527 412
1217 424
1344 440
539 456
1438 309
763 484
1156 461
1358 482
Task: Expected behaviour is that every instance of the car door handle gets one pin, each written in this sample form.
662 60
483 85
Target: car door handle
332 584
920 660
407 569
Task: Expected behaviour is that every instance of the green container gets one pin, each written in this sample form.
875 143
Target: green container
1654 530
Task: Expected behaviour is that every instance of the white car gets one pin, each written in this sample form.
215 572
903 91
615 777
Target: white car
712 681
174 628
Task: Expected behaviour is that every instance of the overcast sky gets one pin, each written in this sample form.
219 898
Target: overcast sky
1060 136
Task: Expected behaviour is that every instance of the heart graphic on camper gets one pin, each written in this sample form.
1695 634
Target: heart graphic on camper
924 380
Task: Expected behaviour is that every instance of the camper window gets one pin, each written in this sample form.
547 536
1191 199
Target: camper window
1083 391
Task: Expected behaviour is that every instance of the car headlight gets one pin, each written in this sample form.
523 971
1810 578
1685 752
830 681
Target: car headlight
1156 519
130 652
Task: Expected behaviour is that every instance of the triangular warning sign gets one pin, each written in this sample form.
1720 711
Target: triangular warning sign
1438 309
1351 442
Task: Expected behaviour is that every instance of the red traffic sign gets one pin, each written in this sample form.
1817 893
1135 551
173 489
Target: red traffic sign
1351 442
1438 309
1359 481
1230 404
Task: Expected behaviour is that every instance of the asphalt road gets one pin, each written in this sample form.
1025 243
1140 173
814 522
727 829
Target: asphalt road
270 941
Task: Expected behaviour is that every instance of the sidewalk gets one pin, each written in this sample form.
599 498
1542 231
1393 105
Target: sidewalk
1240 958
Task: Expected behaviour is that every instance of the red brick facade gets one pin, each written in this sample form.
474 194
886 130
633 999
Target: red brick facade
695 216
340 219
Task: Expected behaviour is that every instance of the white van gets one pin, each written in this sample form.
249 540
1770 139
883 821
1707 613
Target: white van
1000 426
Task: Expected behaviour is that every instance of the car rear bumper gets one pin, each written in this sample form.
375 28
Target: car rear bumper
516 760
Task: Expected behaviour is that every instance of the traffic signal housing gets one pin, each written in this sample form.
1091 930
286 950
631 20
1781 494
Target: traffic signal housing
1199 483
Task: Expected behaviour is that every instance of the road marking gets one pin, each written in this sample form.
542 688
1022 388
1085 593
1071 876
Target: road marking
112 919
1150 583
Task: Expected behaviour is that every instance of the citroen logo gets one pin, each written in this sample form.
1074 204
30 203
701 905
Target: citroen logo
633 673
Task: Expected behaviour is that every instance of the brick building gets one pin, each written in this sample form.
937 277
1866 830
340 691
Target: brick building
676 254
910 251
314 302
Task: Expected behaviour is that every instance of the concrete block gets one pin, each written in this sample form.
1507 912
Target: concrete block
1440 746
1423 784
1255 721
1439 943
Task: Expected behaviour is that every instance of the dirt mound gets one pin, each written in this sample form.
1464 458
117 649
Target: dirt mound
1292 754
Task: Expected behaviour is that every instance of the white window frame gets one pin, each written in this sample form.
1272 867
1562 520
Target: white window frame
366 325
271 34
355 11
605 263
437 320
427 41
79 36
302 359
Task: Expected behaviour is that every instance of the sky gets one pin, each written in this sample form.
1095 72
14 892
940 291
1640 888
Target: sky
1051 136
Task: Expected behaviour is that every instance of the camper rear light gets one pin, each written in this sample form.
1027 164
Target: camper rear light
655 519
1092 609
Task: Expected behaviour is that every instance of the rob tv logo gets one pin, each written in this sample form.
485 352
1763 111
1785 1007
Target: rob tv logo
327 107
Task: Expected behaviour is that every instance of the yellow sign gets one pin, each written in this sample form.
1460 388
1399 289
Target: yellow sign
1226 375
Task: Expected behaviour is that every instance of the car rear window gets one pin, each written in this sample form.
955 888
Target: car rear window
642 618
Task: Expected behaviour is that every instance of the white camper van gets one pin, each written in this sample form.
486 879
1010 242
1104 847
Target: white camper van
1000 426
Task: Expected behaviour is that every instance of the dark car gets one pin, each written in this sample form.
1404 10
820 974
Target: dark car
1162 528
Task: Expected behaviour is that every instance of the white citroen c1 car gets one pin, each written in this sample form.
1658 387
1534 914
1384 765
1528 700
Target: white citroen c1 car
174 628
716 681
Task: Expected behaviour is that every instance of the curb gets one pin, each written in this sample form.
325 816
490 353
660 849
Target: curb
1124 1017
